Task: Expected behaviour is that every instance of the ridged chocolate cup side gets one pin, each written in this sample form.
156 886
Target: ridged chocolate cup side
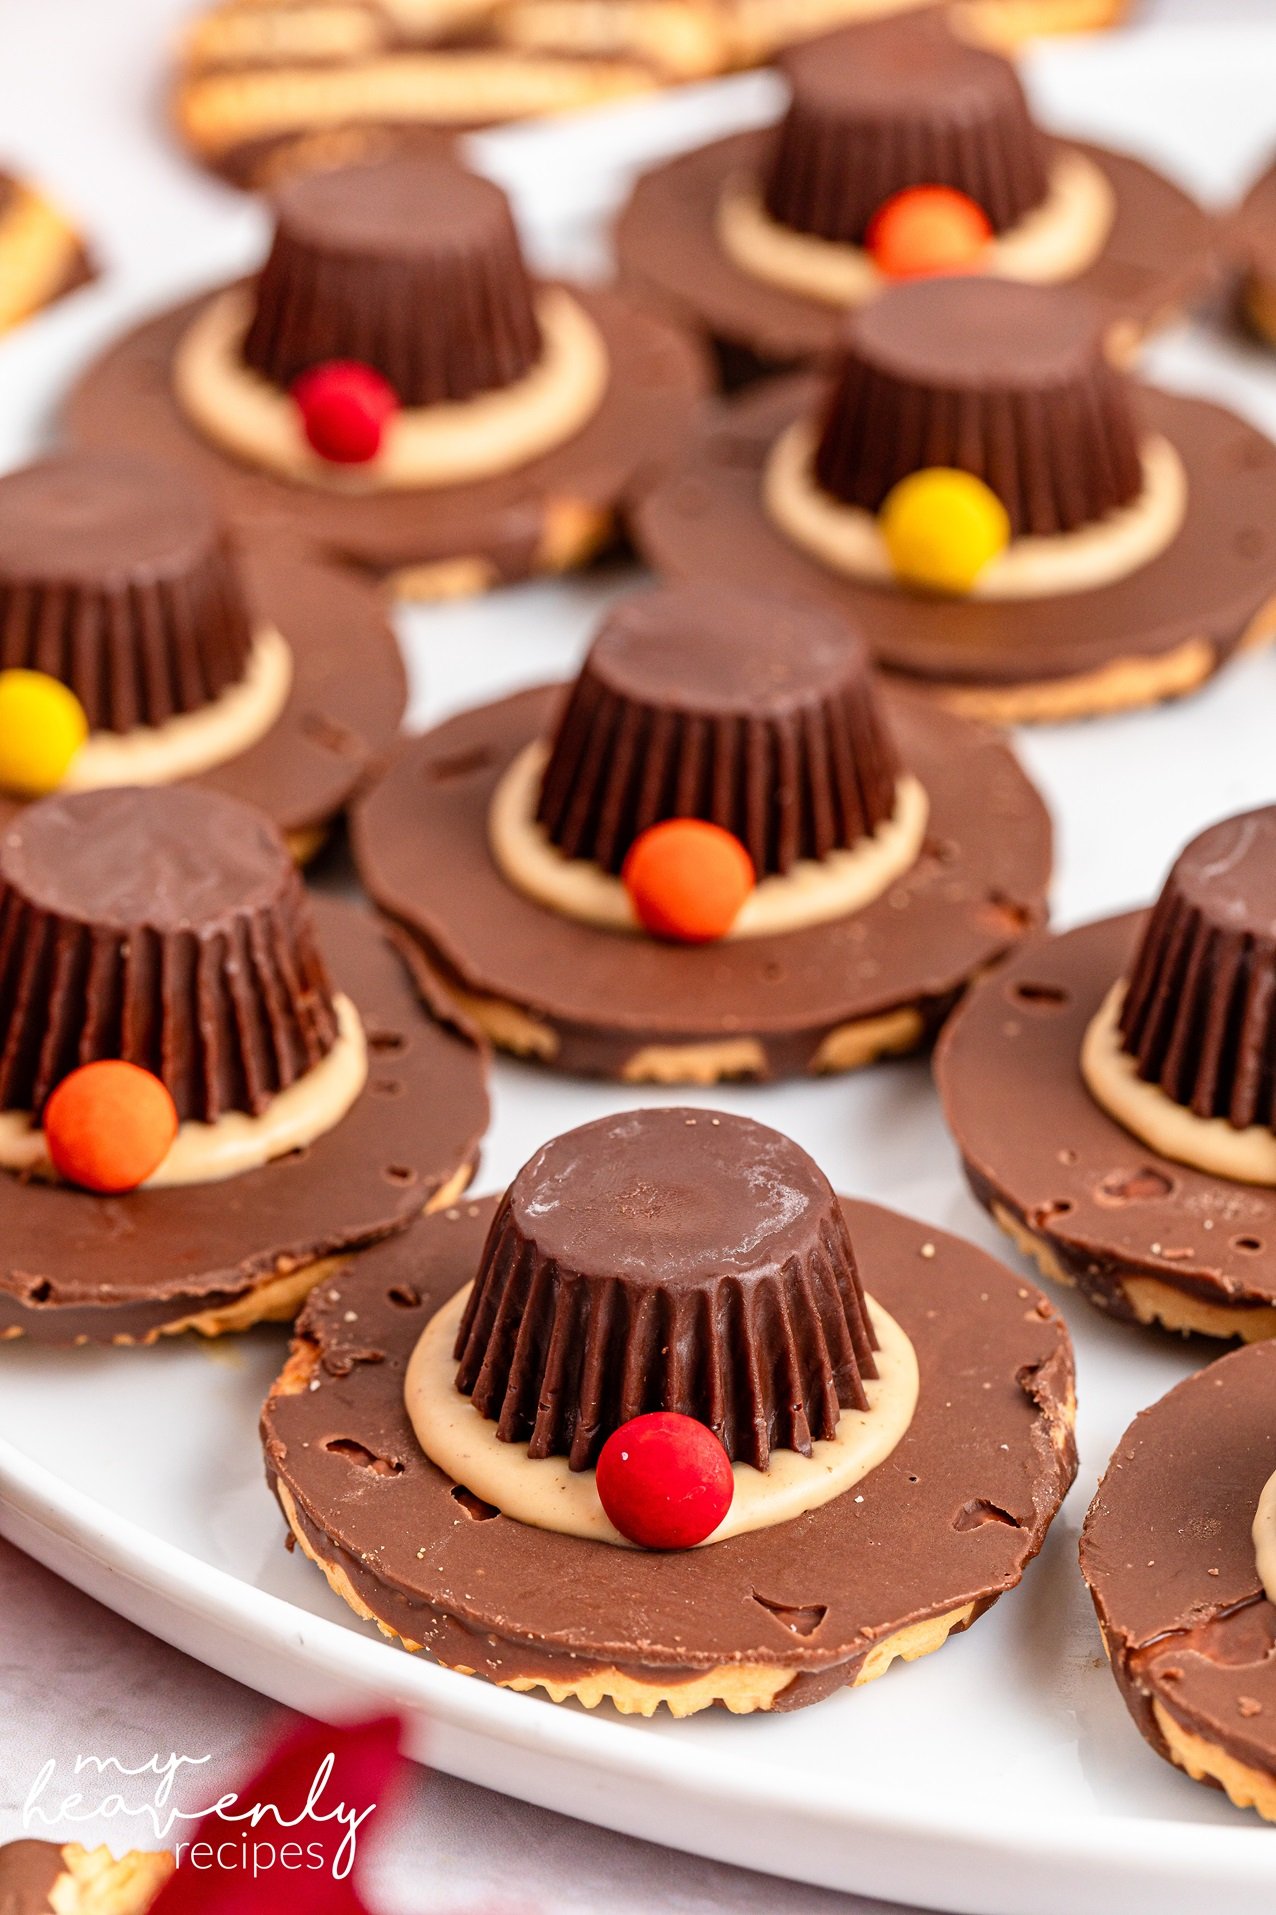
899 103
1008 381
412 266
759 715
667 1260
1199 1014
115 578
166 927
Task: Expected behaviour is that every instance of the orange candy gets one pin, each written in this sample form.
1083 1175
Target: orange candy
927 229
109 1126
687 879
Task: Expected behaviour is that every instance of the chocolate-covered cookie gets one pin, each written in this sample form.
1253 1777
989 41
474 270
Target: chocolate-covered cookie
321 1097
1252 237
786 1601
897 850
63 1878
248 668
1110 1091
395 391
42 254
762 240
1170 1551
1127 551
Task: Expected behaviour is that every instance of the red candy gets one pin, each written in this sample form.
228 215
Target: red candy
345 408
109 1126
926 230
664 1480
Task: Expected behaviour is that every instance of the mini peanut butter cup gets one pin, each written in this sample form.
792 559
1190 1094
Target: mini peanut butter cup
754 714
1199 1013
411 265
1010 382
115 578
169 928
667 1260
900 103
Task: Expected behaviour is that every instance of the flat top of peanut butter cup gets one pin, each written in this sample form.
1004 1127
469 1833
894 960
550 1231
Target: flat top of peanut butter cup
93 517
979 331
1229 872
879 69
414 204
719 651
667 1195
168 857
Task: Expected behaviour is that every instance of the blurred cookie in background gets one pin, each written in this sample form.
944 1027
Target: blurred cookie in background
42 254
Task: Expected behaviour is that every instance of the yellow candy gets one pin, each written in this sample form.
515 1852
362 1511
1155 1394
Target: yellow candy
942 527
42 726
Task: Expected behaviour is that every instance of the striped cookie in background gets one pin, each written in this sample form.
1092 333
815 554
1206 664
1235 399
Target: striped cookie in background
49 1878
42 256
266 88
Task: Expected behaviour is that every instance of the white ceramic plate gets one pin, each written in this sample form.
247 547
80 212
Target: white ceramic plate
998 1776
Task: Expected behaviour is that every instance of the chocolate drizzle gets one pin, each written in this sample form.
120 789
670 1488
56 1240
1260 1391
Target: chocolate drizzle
1199 1014
758 714
412 266
168 927
667 1259
1008 381
115 578
898 103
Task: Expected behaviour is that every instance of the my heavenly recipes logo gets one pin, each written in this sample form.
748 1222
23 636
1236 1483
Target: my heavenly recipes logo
102 1788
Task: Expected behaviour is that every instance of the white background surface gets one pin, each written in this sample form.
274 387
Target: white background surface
81 104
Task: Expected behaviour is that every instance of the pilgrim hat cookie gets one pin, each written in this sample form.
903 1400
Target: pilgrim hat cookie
1112 1094
1253 235
212 1087
139 647
395 391
42 254
672 1423
1014 524
905 151
722 852
1179 1551
52 1878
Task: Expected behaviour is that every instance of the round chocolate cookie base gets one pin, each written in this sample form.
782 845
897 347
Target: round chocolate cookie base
1168 1555
344 704
442 542
1157 633
1144 1238
773 1619
612 1004
1159 256
79 1268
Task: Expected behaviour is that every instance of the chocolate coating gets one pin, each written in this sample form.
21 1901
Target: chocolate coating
420 839
651 403
1168 1556
116 579
952 1517
28 1872
1035 1144
1200 1011
752 712
1159 255
78 1268
706 523
169 928
1007 381
1253 229
667 1260
896 103
411 265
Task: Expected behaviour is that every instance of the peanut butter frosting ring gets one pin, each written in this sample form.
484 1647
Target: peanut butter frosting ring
1156 258
1158 631
426 446
77 1268
775 1618
1145 1237
549 514
827 997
